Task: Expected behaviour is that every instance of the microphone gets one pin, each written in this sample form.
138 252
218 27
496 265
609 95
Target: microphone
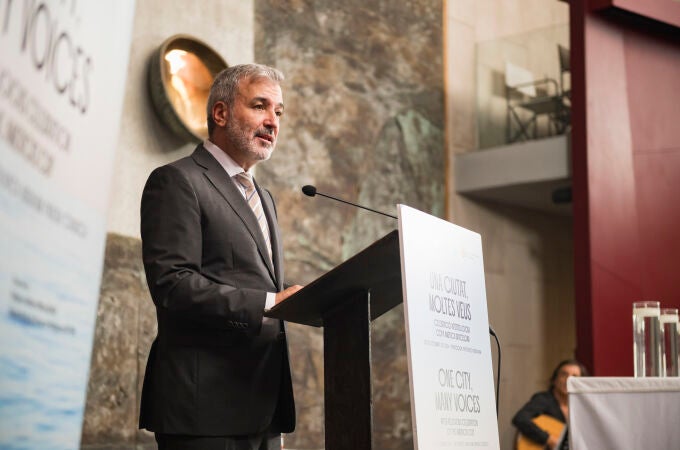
311 192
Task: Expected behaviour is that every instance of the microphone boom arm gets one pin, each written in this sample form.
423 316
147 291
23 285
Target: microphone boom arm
354 204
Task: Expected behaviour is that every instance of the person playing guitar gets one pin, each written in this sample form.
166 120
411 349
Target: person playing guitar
542 419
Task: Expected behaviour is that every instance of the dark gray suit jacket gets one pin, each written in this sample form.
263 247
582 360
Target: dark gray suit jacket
214 368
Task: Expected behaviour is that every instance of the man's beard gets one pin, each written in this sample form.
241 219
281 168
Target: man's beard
247 143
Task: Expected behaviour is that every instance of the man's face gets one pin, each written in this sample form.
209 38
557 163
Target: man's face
253 123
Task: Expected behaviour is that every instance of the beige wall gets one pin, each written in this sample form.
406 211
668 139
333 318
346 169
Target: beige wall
144 143
527 255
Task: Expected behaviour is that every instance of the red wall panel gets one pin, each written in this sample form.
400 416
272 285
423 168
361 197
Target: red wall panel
653 81
653 74
626 162
613 319
657 177
613 227
663 10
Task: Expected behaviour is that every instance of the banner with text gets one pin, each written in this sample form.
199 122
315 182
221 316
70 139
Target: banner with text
62 82
447 332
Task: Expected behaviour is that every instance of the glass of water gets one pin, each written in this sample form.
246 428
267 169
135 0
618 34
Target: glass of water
647 340
669 324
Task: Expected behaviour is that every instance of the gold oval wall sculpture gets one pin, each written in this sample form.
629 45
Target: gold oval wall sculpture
181 71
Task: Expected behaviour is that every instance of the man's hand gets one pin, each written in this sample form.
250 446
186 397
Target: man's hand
281 296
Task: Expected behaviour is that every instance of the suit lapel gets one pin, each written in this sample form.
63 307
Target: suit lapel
274 234
219 178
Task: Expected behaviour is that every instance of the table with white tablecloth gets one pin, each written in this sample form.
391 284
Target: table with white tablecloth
608 413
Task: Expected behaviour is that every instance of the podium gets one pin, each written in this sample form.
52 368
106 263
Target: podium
345 301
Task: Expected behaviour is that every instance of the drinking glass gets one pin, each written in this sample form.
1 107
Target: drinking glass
647 340
669 325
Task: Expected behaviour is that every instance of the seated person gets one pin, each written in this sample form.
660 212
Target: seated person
552 402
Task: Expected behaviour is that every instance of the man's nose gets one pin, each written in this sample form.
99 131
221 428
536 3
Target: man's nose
271 120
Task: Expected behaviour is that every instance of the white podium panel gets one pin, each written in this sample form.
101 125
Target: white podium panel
624 413
447 329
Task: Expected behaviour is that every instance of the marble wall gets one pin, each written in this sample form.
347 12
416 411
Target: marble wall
126 326
364 121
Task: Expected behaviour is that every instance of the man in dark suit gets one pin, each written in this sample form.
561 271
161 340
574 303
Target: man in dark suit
218 375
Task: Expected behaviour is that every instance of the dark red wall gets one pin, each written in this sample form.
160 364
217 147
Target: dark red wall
667 11
626 177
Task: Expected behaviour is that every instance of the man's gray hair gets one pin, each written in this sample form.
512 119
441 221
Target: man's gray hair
225 85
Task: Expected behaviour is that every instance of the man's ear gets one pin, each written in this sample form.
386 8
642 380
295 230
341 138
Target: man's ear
220 114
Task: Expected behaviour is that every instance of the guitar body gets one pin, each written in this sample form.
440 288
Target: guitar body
544 422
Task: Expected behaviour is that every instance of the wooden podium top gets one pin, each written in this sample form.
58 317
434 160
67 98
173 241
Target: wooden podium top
376 269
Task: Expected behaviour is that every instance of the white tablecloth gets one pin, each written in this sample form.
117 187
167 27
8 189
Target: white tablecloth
624 413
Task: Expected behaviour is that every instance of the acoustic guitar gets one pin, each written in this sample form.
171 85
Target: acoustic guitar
548 423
